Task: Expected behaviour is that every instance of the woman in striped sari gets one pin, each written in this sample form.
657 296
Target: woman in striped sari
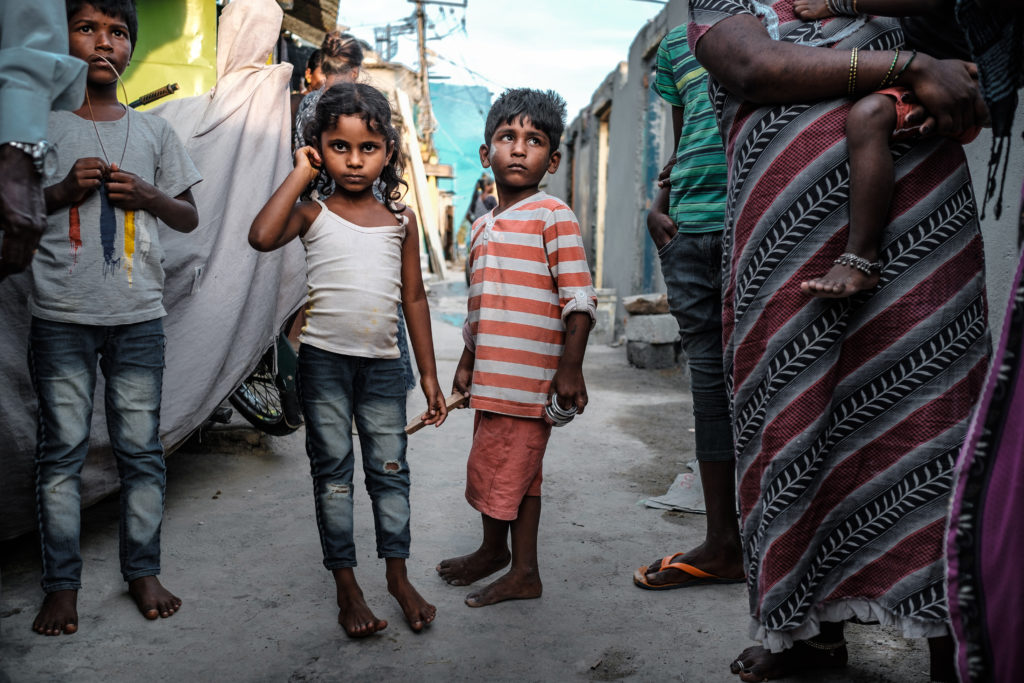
847 413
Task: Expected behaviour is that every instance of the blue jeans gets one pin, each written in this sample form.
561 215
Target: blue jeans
334 389
62 361
691 264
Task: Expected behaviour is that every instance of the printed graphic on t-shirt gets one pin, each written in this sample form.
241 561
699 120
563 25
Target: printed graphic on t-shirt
108 237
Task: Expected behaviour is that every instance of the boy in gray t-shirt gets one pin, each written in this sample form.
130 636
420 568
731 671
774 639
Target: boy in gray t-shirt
97 296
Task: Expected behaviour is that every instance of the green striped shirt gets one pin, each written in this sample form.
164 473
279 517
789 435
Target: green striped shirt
697 193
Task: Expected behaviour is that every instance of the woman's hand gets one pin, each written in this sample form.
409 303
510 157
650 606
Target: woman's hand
948 91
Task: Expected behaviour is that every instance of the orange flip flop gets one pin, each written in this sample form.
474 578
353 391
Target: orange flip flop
699 576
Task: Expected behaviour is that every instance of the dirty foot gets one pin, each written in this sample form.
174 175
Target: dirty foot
59 614
152 599
725 565
354 614
464 570
758 664
512 586
841 281
418 612
809 10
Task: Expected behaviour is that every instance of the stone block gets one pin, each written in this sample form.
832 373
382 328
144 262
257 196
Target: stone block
646 304
603 331
652 356
653 329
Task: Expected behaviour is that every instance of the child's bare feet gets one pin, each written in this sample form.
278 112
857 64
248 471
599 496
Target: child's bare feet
516 585
418 612
809 10
354 614
464 570
59 614
840 281
152 599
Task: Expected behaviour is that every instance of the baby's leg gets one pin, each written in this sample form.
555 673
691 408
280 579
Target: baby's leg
869 127
809 10
522 582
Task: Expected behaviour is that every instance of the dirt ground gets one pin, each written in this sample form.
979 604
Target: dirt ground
240 548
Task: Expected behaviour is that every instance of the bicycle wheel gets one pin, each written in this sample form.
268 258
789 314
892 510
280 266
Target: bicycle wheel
259 399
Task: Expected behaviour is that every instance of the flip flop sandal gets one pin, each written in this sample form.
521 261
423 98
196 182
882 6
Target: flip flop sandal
699 577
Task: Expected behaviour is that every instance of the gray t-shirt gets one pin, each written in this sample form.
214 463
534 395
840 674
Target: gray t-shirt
98 264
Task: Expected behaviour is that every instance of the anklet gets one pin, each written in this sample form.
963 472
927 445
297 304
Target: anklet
824 646
860 263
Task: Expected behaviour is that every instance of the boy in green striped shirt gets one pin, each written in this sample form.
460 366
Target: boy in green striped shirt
686 223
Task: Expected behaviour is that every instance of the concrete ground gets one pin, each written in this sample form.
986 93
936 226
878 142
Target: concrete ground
240 548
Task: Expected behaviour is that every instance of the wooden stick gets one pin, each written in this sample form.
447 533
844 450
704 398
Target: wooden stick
454 401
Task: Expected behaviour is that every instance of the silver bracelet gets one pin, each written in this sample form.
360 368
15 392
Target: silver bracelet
558 415
860 263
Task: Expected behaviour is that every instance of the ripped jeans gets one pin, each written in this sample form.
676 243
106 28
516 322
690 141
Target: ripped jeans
62 361
334 390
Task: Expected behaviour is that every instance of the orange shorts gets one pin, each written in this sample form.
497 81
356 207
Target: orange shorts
505 462
903 108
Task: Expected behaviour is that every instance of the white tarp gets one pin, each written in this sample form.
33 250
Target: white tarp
225 301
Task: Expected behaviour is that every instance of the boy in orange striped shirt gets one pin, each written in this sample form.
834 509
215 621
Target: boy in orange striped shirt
531 307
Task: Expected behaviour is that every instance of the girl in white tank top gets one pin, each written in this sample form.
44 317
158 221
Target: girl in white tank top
362 257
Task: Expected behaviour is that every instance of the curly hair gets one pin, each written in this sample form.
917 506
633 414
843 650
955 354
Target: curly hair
368 103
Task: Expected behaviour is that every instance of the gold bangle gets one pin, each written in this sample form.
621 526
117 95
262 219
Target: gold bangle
855 7
885 81
851 85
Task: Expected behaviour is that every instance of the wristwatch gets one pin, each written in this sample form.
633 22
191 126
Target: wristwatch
44 156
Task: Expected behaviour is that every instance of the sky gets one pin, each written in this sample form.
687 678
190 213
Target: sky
569 46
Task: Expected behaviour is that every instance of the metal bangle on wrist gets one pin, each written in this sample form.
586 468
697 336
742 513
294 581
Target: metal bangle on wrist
558 415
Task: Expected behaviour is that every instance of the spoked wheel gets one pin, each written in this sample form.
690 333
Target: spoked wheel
268 400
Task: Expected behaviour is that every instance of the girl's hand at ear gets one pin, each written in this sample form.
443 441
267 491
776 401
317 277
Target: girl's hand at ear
437 411
308 161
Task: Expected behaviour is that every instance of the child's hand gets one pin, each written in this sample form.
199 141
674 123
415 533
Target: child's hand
308 161
437 411
463 381
569 387
809 10
84 178
128 191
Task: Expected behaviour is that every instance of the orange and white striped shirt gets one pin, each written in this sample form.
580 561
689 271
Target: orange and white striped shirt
528 271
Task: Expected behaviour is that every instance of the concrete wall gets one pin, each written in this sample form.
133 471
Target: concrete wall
639 137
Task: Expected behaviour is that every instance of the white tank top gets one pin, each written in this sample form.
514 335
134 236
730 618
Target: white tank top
354 280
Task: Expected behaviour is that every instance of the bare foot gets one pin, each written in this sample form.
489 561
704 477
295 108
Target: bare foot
839 282
725 564
464 570
418 612
152 599
511 586
354 614
59 614
809 10
758 664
